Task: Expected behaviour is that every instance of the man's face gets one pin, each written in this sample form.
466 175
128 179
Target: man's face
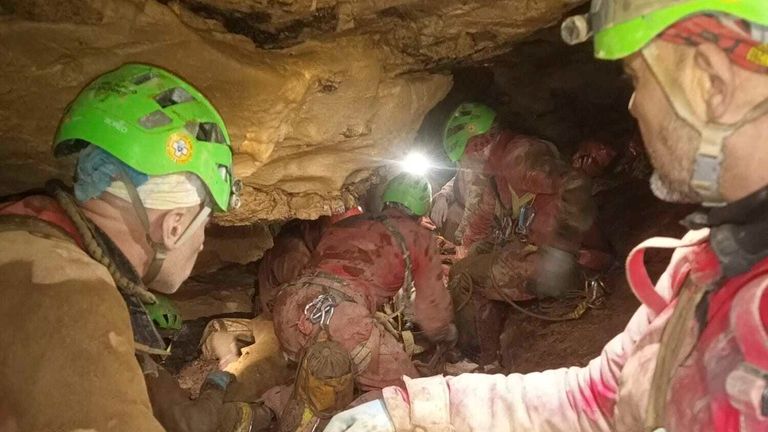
180 260
671 143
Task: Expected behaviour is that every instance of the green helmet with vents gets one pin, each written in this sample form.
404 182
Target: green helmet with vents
623 27
154 122
467 121
164 314
410 191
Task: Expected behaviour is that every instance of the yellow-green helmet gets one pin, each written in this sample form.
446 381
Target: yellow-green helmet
164 314
410 191
467 121
154 122
623 27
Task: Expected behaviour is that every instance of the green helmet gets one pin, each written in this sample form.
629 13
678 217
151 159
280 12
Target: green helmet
154 122
623 27
467 121
164 314
411 191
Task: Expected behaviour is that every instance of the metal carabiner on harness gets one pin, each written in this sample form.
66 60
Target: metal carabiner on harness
320 310
524 221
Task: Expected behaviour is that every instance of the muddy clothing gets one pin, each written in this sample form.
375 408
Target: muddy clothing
73 336
361 264
525 198
525 176
694 357
282 263
175 410
68 358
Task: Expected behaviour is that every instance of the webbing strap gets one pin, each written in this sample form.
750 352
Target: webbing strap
671 352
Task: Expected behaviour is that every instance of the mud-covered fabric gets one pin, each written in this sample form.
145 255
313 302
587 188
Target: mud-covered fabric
353 326
520 165
612 391
363 252
68 358
175 410
283 263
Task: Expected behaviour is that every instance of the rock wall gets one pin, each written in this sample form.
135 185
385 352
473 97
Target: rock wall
317 94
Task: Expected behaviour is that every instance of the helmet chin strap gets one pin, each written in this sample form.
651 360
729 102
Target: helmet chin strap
707 169
159 251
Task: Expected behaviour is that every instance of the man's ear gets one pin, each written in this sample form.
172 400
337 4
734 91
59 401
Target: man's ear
173 227
715 63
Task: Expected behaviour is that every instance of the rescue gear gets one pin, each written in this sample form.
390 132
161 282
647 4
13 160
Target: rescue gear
157 124
325 385
467 121
166 319
623 27
320 310
326 378
412 192
164 313
154 122
737 232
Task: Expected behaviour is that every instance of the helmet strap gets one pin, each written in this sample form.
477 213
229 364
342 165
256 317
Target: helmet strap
710 154
159 251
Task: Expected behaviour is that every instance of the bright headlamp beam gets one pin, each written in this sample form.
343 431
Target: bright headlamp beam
415 163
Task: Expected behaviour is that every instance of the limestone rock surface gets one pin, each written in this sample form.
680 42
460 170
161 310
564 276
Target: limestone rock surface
318 95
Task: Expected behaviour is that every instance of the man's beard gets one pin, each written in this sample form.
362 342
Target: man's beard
666 191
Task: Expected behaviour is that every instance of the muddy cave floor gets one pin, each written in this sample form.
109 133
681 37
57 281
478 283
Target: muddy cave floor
629 214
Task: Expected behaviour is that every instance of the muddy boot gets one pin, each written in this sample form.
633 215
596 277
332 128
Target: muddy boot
325 385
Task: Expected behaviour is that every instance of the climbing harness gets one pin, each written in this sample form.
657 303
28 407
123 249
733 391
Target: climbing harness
514 222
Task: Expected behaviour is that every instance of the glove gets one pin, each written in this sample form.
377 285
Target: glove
439 210
556 273
218 379
369 417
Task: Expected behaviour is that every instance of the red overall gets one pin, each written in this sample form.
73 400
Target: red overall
365 262
718 381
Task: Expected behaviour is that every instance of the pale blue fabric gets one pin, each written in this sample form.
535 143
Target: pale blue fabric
97 169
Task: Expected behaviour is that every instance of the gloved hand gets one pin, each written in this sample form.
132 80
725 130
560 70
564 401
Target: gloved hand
369 417
556 273
439 210
218 380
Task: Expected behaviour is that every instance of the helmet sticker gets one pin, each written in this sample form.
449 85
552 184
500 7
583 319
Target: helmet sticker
180 148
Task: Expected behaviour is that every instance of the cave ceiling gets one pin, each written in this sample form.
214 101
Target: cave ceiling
318 94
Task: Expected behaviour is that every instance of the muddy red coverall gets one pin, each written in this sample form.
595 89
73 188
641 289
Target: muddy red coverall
717 354
291 252
362 264
517 172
